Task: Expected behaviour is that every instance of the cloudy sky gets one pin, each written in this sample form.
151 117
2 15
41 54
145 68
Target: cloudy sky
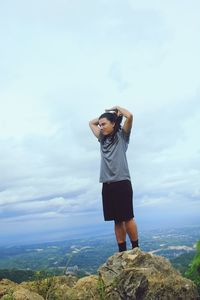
61 64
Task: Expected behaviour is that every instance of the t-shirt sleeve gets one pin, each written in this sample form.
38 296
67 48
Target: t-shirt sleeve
126 135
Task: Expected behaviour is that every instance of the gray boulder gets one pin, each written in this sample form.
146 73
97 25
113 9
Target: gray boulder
135 275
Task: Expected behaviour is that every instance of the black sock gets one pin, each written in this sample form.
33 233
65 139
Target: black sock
134 244
122 246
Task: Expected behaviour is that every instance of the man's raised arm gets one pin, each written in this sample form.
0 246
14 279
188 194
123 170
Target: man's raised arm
94 127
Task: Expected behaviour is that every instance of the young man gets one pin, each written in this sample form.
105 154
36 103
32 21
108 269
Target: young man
117 191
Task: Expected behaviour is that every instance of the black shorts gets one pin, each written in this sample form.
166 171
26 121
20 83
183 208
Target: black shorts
117 200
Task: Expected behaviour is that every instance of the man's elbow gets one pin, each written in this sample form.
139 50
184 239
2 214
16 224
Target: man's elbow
130 116
91 122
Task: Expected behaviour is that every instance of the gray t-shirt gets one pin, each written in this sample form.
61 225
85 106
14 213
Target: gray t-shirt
114 166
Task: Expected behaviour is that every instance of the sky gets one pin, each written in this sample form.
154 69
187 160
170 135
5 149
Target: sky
62 63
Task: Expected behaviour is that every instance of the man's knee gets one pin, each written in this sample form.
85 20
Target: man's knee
129 220
120 225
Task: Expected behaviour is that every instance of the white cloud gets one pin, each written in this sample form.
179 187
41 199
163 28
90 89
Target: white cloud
62 64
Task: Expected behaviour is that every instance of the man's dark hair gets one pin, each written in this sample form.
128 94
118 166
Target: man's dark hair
113 118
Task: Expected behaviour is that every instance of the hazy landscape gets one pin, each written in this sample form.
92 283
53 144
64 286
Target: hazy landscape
84 256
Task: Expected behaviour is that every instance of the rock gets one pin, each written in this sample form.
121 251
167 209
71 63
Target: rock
61 287
24 294
135 275
86 288
53 287
11 290
66 287
6 286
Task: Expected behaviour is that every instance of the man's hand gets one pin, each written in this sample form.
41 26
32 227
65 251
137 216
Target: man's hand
115 110
125 113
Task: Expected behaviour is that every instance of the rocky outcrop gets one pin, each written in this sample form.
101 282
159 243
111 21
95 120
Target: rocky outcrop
66 287
130 275
13 291
137 275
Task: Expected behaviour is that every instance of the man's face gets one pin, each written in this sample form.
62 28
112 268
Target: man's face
106 126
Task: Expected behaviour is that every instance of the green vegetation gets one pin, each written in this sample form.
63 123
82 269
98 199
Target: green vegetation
19 276
182 262
45 287
8 296
193 272
101 288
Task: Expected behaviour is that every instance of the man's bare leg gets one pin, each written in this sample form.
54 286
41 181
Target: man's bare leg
120 233
131 229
